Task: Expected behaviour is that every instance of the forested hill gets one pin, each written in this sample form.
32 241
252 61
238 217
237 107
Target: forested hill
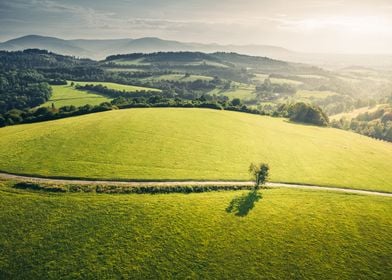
35 58
217 60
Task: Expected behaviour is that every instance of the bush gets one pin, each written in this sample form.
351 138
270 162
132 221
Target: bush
116 189
306 113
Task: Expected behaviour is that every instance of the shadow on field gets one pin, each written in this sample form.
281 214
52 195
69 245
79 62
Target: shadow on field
242 205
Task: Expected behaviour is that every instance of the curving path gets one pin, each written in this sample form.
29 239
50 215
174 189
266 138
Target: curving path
184 183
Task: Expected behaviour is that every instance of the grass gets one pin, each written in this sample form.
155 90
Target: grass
285 234
66 95
200 144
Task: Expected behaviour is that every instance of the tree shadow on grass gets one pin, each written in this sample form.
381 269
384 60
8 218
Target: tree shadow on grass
242 205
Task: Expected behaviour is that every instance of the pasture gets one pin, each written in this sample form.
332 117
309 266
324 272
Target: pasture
65 95
285 234
199 144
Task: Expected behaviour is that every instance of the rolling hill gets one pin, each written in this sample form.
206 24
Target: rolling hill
178 144
99 49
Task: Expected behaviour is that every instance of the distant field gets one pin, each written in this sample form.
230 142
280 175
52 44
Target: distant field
179 77
242 91
199 144
309 95
66 95
261 77
312 76
289 234
355 113
138 61
118 86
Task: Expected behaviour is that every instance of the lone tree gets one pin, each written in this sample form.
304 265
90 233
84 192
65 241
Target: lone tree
260 173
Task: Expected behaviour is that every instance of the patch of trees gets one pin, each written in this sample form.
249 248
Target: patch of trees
22 89
376 124
166 57
336 104
79 73
123 102
186 90
268 91
50 113
303 113
114 93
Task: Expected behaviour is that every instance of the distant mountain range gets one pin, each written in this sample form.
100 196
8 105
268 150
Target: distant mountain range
99 49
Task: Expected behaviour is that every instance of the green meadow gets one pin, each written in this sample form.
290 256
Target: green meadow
65 95
199 144
285 234
241 91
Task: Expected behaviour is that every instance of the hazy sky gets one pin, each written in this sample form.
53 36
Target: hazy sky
350 26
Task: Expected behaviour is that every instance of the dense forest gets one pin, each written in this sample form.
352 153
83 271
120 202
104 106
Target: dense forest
22 89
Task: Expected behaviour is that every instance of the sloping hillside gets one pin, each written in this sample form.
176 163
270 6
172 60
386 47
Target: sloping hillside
175 144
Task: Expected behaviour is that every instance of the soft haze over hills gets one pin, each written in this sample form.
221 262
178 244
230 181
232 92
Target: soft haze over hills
99 49
333 26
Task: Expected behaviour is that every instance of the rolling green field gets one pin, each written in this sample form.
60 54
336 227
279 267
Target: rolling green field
65 95
200 144
288 234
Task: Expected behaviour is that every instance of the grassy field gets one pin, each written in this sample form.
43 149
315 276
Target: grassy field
66 96
311 95
261 77
200 144
242 91
288 234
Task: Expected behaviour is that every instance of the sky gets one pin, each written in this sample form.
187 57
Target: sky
325 26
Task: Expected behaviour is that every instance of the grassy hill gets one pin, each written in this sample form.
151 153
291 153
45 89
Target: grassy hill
175 144
289 234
